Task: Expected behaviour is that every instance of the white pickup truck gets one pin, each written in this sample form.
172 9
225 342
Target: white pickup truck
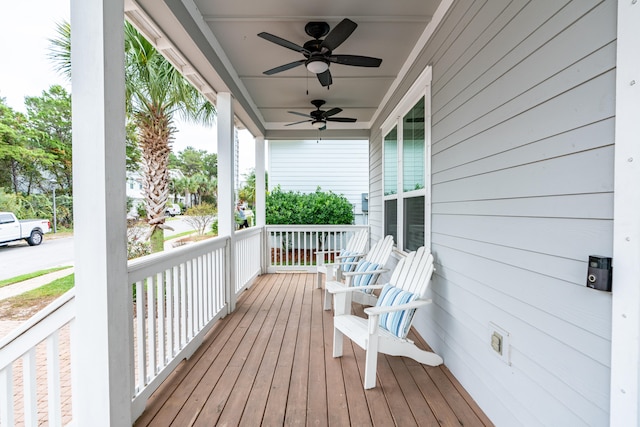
31 230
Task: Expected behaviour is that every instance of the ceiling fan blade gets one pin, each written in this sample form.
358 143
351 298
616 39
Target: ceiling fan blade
341 119
298 114
284 67
332 112
325 78
297 123
339 34
282 42
355 60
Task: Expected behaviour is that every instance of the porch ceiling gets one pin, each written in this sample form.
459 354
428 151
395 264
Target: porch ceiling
215 44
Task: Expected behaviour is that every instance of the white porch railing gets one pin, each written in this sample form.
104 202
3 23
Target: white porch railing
31 368
248 257
293 247
178 296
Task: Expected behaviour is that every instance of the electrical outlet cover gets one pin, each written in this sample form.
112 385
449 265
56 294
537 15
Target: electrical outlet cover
501 350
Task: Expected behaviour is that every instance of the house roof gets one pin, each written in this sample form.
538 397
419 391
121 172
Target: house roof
215 44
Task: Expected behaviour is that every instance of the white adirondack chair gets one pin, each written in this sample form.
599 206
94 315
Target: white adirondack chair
366 272
353 251
388 323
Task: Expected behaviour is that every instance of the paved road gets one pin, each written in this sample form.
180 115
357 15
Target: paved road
178 224
20 258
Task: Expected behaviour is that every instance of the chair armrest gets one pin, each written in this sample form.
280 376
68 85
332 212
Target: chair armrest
350 256
331 251
361 273
338 287
377 310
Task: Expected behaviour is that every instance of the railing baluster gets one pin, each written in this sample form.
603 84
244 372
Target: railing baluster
6 404
169 303
141 334
29 386
176 310
200 293
53 379
183 304
151 328
160 298
190 300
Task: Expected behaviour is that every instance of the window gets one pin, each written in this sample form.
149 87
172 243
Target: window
406 176
391 219
413 148
391 162
413 223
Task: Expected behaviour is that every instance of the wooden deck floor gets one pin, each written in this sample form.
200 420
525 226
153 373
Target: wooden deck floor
270 363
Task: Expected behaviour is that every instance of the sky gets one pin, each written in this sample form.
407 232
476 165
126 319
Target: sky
25 29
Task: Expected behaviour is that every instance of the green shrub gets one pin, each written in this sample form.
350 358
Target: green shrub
39 206
200 217
288 207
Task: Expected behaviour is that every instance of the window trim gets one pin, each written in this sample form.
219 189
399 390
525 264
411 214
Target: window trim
420 89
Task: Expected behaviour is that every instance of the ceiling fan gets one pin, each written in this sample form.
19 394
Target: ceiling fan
319 118
318 54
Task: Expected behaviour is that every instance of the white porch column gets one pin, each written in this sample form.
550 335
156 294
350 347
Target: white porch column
260 199
625 344
100 344
260 182
226 191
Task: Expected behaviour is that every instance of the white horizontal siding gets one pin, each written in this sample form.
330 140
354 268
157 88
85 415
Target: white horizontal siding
338 166
375 188
522 193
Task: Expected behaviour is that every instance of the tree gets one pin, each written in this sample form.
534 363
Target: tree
191 162
200 217
49 118
155 93
20 159
248 191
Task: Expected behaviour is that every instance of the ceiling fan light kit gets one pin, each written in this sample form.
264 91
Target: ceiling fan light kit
317 65
318 124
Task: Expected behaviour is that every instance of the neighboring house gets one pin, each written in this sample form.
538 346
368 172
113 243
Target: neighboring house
338 166
134 189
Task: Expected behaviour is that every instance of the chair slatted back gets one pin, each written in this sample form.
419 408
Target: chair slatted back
358 242
413 272
381 251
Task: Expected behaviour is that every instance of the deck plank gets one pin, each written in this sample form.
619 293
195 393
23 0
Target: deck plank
257 399
296 411
337 404
279 392
241 361
317 397
271 363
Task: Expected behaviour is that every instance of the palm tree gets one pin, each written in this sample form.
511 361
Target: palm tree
155 93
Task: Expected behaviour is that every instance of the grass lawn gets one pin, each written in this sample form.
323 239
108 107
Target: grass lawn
22 278
176 236
23 306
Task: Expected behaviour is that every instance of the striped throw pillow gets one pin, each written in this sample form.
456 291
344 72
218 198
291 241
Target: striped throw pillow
397 322
347 267
365 279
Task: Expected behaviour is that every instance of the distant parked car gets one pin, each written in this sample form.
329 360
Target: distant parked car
31 230
173 210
